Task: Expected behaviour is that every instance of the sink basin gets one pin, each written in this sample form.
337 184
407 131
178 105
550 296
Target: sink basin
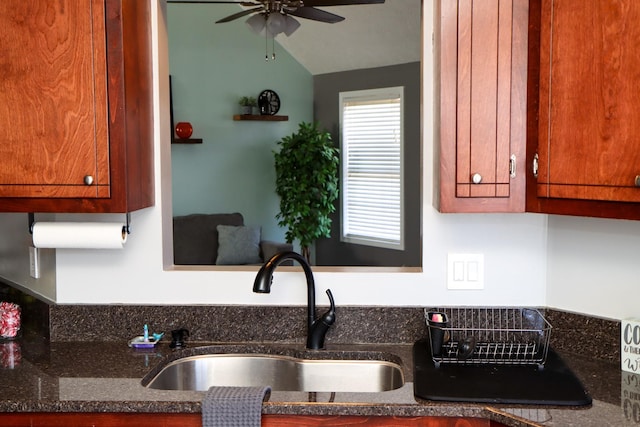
282 373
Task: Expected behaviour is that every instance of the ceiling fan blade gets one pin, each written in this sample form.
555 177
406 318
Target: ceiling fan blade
316 15
239 15
340 2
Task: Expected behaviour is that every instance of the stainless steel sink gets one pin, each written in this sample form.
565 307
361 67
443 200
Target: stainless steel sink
282 373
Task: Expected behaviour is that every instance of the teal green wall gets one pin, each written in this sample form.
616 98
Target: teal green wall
212 65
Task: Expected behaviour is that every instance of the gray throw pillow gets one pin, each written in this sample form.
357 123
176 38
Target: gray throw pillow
195 237
238 245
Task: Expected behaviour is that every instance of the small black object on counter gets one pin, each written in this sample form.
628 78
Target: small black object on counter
178 337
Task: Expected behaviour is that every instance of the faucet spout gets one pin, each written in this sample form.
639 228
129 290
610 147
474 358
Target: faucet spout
316 329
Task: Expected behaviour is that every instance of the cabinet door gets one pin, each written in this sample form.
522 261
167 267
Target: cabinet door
483 87
76 102
53 99
589 146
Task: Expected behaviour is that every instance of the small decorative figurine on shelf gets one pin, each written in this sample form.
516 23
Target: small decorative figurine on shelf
184 130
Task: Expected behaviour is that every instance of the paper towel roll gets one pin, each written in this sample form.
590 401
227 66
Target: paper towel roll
79 235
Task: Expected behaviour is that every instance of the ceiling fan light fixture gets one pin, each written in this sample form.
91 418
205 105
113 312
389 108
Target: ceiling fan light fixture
276 23
291 25
257 23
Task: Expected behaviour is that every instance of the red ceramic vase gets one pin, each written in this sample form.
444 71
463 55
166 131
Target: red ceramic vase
184 130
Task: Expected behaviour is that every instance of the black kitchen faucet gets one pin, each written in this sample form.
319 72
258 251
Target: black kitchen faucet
316 328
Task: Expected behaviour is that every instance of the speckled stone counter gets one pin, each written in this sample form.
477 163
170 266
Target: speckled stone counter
75 358
106 377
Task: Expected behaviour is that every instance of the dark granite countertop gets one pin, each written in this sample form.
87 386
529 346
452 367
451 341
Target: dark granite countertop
106 377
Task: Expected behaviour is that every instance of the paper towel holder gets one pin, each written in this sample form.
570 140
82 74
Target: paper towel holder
125 228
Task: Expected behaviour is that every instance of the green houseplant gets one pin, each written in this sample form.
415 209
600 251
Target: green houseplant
247 103
307 183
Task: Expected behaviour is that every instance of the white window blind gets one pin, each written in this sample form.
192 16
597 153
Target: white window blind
372 167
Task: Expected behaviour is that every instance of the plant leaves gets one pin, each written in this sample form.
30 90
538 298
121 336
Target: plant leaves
307 166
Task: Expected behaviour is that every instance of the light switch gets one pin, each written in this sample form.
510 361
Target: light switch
472 271
465 271
458 271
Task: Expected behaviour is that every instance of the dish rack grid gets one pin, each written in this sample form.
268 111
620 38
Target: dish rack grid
515 336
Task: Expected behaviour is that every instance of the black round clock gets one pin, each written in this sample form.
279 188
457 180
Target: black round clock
269 102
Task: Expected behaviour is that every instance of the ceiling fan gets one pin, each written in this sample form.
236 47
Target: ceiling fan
272 17
300 8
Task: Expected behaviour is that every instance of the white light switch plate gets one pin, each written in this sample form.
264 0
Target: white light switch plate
465 271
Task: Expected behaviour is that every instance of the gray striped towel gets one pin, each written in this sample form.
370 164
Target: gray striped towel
233 406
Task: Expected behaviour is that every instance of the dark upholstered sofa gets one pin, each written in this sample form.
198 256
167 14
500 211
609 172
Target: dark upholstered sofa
221 238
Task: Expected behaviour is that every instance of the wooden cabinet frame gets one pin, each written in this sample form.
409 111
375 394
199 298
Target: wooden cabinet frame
130 120
195 420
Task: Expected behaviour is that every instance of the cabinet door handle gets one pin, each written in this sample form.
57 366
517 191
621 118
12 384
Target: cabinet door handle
88 179
637 181
512 166
476 178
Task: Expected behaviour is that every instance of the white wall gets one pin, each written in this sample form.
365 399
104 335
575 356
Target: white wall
592 264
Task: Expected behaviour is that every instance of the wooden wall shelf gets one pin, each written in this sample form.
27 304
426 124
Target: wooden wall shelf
263 118
175 140
186 141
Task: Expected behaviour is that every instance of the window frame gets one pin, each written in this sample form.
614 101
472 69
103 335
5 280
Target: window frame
376 94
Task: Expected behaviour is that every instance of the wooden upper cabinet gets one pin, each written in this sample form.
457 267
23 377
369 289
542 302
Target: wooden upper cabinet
589 87
482 77
75 106
584 125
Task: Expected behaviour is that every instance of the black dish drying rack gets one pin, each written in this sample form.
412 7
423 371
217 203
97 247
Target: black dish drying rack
515 336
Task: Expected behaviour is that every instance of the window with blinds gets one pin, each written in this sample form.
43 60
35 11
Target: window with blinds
372 167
